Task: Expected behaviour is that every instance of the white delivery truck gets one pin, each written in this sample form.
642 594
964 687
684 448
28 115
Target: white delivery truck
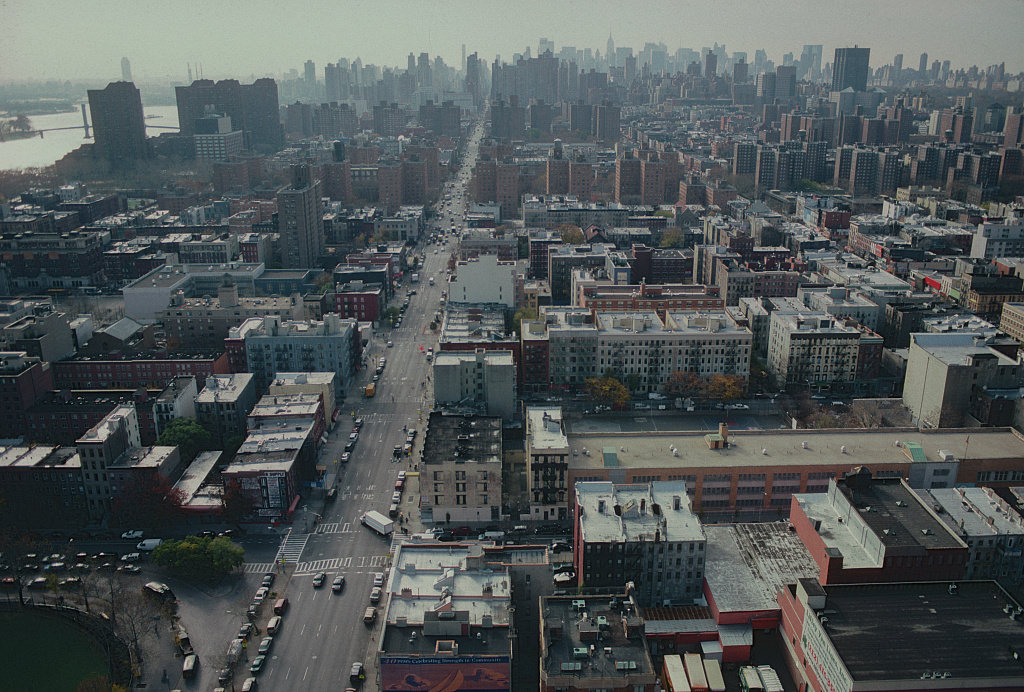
378 522
149 544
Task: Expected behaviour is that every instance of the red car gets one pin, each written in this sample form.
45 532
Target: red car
462 531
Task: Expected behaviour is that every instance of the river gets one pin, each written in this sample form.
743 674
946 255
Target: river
53 146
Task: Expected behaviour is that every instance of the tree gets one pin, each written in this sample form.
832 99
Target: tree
187 435
682 384
523 313
672 237
633 382
149 501
324 282
22 123
571 235
235 505
607 390
199 558
724 388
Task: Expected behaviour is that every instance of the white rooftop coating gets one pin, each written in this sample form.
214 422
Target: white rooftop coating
224 387
835 533
545 428
958 348
747 564
426 576
974 511
636 512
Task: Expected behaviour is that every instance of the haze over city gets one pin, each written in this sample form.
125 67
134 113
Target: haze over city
66 39
716 309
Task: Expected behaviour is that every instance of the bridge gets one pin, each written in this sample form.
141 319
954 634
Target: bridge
88 128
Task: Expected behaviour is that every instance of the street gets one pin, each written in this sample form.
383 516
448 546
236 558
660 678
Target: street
322 632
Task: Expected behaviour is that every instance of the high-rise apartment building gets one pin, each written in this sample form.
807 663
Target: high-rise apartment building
850 69
253 108
300 220
119 127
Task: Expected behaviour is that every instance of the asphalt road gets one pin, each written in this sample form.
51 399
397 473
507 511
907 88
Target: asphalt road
323 633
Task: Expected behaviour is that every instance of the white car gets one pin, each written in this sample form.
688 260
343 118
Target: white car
131 535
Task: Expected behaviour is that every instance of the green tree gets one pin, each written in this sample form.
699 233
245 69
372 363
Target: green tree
391 315
672 237
22 123
199 558
607 390
523 313
324 282
633 382
188 435
724 388
570 234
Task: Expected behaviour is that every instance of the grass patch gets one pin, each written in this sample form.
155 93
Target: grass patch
47 654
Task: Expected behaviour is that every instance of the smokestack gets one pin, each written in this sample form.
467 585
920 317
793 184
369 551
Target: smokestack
723 430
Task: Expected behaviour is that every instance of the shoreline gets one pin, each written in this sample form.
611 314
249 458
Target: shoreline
14 136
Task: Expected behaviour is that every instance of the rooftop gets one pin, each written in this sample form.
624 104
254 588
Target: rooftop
975 511
898 522
40 456
444 598
138 457
786 448
459 438
636 512
545 428
224 387
747 564
958 348
925 629
571 626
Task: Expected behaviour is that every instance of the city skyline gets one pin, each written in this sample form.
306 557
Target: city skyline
37 48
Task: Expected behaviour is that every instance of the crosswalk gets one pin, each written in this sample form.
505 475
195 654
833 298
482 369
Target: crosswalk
334 563
257 567
335 527
292 547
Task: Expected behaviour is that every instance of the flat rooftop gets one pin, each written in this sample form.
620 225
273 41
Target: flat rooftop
638 511
461 438
224 387
902 631
137 457
40 456
545 428
785 448
567 635
976 511
747 564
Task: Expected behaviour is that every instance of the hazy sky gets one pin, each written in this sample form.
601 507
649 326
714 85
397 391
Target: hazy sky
69 39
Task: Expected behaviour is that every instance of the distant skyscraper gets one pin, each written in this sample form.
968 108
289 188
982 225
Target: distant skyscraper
310 72
610 52
897 64
850 69
785 83
740 71
922 65
126 70
119 128
710 65
300 220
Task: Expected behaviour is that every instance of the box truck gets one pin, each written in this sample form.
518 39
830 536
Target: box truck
378 522
149 544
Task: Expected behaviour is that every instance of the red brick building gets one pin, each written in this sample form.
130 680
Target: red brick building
24 380
113 372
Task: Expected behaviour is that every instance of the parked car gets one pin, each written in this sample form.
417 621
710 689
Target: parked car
378 579
358 422
396 496
257 665
268 579
345 456
375 594
356 673
265 644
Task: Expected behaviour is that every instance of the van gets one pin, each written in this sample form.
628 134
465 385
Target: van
274 624
393 510
188 668
492 536
280 605
369 615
